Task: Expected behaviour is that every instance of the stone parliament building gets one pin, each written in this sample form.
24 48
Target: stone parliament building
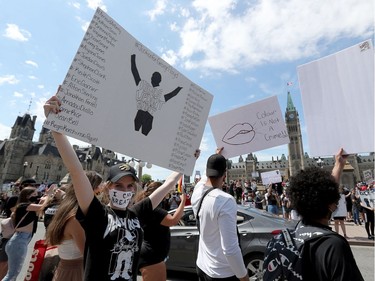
21 157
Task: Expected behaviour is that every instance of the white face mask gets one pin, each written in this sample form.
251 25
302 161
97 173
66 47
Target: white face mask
120 199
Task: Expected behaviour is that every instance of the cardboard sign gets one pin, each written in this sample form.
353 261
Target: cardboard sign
271 177
249 128
338 101
121 96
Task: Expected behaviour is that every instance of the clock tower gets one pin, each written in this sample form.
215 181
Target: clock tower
295 147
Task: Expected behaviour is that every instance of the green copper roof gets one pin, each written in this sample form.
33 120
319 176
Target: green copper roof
290 105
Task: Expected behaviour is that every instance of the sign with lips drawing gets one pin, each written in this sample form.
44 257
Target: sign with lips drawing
249 128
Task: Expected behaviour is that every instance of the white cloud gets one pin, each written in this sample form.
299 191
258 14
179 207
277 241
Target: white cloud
17 94
184 12
8 79
4 132
174 27
93 4
222 35
170 57
158 10
84 24
76 5
15 33
252 96
250 79
32 63
38 109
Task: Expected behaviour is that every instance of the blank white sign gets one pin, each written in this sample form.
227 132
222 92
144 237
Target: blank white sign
338 101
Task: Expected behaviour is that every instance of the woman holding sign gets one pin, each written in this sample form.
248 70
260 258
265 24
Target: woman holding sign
113 232
156 242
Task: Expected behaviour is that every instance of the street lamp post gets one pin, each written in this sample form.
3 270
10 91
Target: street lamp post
141 165
36 172
320 162
25 164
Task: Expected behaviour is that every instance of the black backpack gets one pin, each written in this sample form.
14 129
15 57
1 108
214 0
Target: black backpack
284 253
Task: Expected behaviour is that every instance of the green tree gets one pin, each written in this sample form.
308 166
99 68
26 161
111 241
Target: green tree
146 178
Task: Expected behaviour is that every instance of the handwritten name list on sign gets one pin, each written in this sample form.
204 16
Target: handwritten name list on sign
189 123
80 92
250 128
121 96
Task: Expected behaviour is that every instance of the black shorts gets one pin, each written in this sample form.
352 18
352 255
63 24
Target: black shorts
3 254
339 218
204 277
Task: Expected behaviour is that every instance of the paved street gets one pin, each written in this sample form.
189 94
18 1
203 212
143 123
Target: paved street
362 248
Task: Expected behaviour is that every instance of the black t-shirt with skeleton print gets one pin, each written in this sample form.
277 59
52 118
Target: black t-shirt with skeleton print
113 240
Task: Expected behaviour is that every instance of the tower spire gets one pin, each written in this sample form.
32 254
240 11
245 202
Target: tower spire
290 105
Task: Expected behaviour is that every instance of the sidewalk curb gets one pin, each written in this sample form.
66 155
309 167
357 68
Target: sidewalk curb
357 235
361 243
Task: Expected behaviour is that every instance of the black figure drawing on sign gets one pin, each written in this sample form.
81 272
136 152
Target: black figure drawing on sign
238 134
149 98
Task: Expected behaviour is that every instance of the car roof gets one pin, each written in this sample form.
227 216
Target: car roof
259 214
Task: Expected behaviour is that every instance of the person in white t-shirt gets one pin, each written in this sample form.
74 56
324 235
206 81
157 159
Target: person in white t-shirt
219 253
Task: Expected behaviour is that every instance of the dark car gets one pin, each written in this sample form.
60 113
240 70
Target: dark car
256 228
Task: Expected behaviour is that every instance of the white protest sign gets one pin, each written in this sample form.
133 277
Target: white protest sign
271 177
249 128
368 198
121 96
367 176
338 101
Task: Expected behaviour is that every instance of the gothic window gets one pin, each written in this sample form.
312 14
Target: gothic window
48 165
25 133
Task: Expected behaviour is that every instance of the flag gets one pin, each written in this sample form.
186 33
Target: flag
180 184
289 83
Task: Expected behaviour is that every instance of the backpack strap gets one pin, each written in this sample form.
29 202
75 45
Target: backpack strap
288 238
18 224
200 205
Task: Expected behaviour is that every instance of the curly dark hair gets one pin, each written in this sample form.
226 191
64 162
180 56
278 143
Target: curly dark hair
312 191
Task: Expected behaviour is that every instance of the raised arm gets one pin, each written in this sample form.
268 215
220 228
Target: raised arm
157 196
172 94
171 220
81 183
137 77
340 160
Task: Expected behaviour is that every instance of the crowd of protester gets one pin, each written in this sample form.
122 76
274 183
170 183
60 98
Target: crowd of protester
275 199
47 198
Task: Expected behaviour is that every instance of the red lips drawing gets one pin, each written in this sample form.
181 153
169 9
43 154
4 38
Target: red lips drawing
239 134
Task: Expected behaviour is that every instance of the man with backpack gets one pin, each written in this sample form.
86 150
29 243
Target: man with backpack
312 251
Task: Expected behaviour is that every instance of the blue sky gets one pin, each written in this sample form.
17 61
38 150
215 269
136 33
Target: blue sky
240 51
